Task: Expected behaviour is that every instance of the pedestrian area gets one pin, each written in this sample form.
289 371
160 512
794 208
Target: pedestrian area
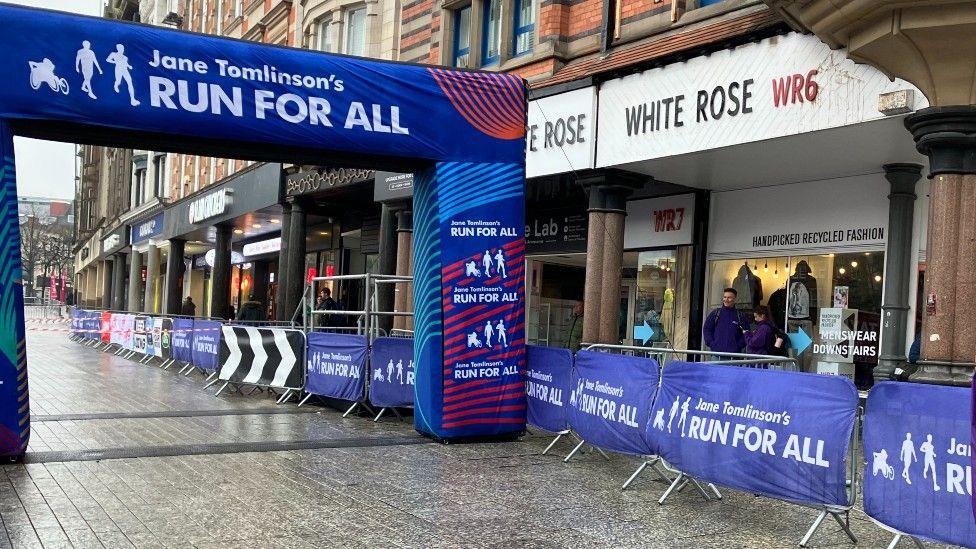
129 455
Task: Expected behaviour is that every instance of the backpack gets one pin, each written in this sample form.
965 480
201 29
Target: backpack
781 344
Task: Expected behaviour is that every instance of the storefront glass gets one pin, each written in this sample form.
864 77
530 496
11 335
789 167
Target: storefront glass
835 299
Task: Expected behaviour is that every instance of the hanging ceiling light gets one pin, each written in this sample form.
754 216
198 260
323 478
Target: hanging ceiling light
853 263
766 267
842 270
877 278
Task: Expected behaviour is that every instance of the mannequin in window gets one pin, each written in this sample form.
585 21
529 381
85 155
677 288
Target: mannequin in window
749 287
802 304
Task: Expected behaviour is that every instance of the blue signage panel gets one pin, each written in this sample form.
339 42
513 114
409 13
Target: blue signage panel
149 228
182 340
780 434
918 477
610 400
392 377
547 386
336 365
94 71
206 345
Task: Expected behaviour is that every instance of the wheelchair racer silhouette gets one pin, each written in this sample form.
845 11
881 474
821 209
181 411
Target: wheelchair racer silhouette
43 73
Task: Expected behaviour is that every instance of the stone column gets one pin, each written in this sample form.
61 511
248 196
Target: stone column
135 275
281 277
403 293
295 268
118 282
220 277
106 275
152 279
608 190
174 274
387 264
947 135
259 283
898 265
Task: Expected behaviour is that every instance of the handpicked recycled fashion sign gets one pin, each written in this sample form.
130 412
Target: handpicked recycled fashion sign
918 477
781 434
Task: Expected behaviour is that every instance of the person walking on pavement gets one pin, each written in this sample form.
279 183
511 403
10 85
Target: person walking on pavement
189 308
576 327
722 330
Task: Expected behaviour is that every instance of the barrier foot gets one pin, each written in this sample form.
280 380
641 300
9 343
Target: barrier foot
605 455
553 443
635 475
397 414
304 400
210 384
680 479
573 453
284 397
351 408
656 467
718 495
845 524
226 383
379 415
897 539
190 370
813 528
253 390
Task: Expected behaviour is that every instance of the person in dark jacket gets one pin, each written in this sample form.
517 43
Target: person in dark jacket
189 307
722 330
760 339
252 311
576 327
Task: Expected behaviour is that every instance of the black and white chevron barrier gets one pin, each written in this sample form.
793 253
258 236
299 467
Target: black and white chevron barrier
262 357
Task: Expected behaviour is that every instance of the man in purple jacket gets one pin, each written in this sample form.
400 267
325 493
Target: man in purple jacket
723 327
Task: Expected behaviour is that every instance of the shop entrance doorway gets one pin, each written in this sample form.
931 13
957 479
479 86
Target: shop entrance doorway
460 132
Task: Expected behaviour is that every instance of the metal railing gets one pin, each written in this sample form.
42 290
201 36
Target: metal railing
663 355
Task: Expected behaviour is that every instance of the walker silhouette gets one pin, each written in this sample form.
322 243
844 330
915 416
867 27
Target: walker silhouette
502 333
907 456
86 62
122 68
486 262
488 333
42 72
500 264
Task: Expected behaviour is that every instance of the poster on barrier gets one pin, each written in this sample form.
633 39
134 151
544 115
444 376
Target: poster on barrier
151 336
784 435
160 337
547 384
206 344
182 339
128 331
610 400
267 357
391 372
336 365
106 327
141 326
918 477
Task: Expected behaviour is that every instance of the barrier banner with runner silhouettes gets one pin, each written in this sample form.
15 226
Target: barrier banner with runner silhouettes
918 477
547 384
206 344
182 340
610 400
391 377
784 435
336 365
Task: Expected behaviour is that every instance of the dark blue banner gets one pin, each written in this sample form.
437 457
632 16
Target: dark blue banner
182 340
918 477
780 434
392 377
610 400
206 344
77 321
482 247
149 79
547 386
336 365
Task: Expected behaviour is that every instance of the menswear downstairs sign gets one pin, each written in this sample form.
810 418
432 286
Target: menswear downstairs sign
84 79
784 85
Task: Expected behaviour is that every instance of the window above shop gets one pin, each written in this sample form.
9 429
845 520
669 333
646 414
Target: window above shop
491 32
524 28
498 30
355 31
462 36
325 34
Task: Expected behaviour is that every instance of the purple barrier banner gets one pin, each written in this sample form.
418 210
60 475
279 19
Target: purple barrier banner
918 477
784 435
206 344
547 381
392 377
182 340
610 400
336 365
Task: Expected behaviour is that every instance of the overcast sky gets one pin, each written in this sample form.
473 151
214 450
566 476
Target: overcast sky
45 168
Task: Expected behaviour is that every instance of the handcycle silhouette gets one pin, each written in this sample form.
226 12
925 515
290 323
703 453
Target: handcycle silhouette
43 73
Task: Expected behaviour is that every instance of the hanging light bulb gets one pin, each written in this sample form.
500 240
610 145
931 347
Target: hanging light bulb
877 278
853 263
766 267
842 270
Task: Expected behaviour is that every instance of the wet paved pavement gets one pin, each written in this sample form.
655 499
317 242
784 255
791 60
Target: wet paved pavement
362 485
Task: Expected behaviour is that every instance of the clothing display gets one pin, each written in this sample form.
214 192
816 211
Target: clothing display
748 287
802 293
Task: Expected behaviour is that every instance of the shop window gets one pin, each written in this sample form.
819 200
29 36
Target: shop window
835 299
355 32
325 34
462 36
159 176
491 32
524 27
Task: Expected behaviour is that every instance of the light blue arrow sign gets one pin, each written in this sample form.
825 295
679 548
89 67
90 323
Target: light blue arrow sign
643 333
799 340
